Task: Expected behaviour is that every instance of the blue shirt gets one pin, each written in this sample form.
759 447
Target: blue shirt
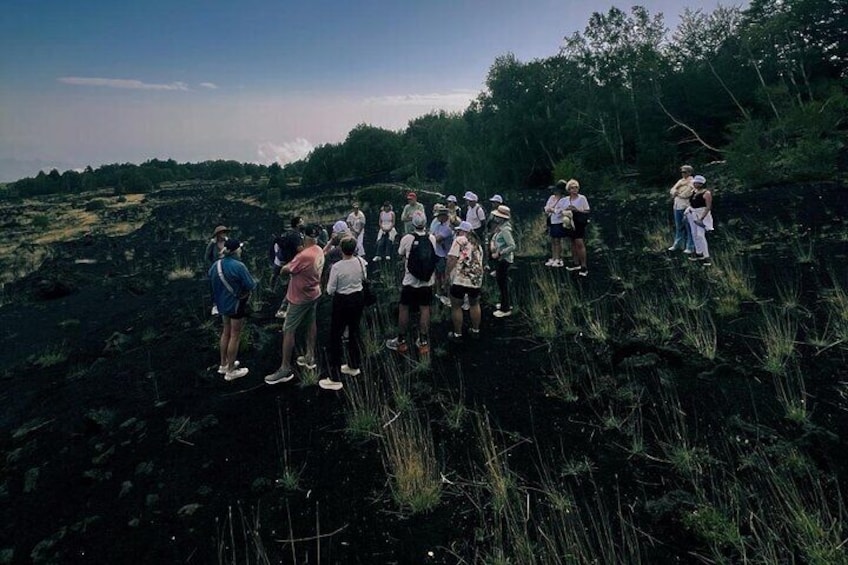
239 279
444 236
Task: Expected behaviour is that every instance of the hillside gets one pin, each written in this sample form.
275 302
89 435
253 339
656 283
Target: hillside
655 411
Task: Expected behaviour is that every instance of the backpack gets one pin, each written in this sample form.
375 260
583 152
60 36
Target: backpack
421 262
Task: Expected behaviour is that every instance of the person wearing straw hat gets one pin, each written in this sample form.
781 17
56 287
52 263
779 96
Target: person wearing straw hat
213 252
502 248
231 286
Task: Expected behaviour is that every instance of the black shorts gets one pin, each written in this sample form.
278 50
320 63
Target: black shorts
458 291
579 232
412 296
241 310
557 231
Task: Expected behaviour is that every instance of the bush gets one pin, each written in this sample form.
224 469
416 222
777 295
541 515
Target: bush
94 205
41 221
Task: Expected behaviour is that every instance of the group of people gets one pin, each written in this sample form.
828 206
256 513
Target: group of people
692 209
567 214
445 259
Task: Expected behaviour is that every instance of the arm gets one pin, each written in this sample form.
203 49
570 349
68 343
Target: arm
333 282
708 200
509 243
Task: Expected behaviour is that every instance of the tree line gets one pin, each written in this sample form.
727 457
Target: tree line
763 88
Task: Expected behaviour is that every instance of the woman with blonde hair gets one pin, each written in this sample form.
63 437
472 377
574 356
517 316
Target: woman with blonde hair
578 205
681 192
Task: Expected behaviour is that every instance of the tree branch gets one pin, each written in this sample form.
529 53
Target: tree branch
687 128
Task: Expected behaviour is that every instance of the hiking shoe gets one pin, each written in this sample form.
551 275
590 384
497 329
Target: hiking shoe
454 337
672 248
573 268
397 345
330 384
550 262
387 258
423 347
305 362
376 258
475 334
696 257
222 369
281 314
279 376
347 370
214 310
236 374
502 313
557 264
584 272
688 251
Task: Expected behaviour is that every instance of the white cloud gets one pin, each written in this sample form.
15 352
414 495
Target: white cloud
288 152
122 83
456 99
209 85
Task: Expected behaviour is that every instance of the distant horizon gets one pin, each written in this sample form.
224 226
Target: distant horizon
262 82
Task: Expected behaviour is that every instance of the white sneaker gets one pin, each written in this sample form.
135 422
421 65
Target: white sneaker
330 384
214 309
688 251
502 314
222 369
550 262
573 268
236 374
302 361
387 258
376 258
557 263
672 248
346 370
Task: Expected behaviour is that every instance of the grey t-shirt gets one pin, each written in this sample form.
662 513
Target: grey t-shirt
346 276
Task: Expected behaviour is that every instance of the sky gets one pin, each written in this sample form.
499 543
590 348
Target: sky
92 82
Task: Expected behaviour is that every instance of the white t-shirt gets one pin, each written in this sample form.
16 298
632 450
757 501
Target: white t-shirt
346 276
558 208
356 222
403 250
580 203
475 216
468 271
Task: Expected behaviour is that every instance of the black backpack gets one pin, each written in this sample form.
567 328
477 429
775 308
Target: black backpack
421 262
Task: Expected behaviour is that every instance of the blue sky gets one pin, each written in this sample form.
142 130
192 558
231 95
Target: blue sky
97 81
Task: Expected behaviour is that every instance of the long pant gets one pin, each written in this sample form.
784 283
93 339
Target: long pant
347 313
502 277
682 231
360 247
699 234
384 246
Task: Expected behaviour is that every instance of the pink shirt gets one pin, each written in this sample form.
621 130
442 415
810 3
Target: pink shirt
305 268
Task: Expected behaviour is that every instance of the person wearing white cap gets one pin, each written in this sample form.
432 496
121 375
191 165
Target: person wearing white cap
419 252
502 248
231 286
441 229
700 216
475 215
465 272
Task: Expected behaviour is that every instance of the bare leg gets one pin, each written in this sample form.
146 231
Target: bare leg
403 320
476 314
225 340
235 338
578 248
424 322
311 337
456 315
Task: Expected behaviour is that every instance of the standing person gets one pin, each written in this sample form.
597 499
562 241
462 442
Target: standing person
345 286
285 248
213 252
700 218
555 209
418 250
231 285
454 213
465 273
356 223
443 232
412 207
386 234
578 205
216 244
502 248
681 192
303 294
475 215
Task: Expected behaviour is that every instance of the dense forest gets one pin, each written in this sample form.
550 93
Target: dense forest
762 88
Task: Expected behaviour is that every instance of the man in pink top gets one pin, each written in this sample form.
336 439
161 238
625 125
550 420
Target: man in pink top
303 294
